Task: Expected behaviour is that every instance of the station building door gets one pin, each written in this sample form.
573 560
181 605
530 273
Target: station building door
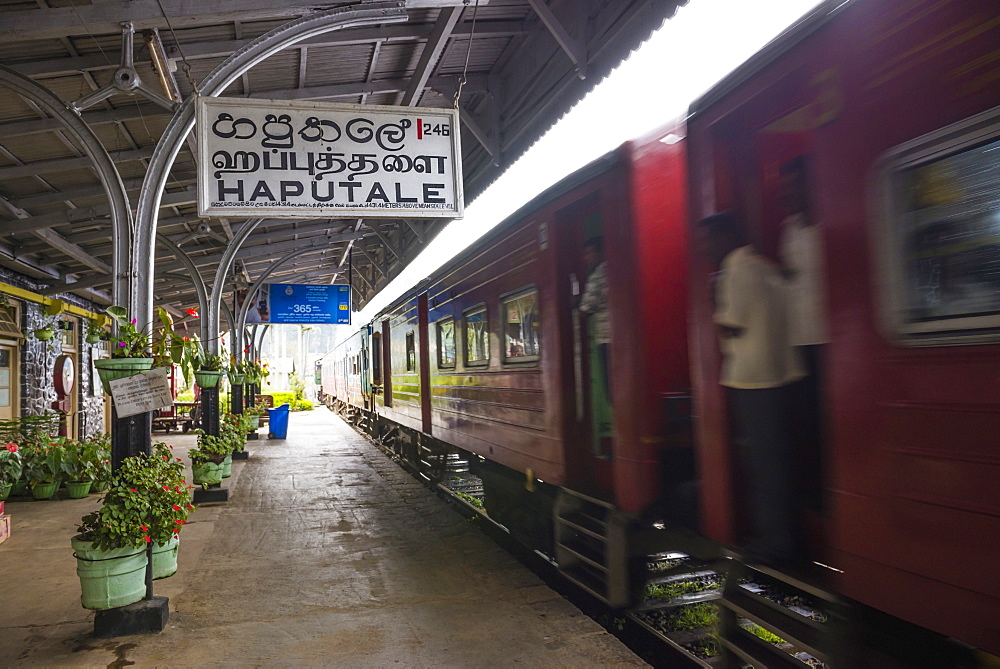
8 381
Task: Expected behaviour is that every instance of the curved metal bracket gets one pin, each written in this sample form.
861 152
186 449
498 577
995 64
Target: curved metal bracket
111 181
199 283
180 125
241 317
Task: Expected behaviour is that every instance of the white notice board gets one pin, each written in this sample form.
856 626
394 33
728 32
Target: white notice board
141 393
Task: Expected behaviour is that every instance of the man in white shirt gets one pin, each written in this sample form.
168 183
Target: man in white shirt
759 364
801 250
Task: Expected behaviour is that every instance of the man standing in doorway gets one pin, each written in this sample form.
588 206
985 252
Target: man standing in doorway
758 366
803 267
594 304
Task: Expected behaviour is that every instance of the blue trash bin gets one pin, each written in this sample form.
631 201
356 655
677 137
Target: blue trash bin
278 417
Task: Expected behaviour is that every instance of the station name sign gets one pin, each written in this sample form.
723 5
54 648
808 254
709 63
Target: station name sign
294 159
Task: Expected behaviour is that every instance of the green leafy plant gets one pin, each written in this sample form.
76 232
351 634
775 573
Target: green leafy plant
97 450
94 331
148 502
74 467
11 465
210 448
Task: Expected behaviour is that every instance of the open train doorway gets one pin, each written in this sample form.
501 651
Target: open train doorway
583 272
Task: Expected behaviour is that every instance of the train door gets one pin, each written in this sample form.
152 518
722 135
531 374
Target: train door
387 363
582 273
424 364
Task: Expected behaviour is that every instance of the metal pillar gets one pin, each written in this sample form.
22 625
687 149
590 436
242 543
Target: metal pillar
199 283
180 125
182 122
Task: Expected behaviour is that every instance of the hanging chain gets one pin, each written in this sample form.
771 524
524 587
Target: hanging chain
468 52
186 66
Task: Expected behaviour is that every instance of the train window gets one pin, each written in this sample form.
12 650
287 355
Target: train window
477 337
941 240
411 353
446 342
521 327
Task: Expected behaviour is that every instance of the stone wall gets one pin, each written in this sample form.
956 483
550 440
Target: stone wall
37 385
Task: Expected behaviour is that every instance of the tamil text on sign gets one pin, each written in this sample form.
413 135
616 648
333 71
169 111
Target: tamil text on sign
280 158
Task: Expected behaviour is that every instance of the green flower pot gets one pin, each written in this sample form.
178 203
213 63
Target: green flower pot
44 490
237 379
109 579
165 558
78 489
19 487
44 335
92 339
227 466
208 473
207 378
5 491
110 369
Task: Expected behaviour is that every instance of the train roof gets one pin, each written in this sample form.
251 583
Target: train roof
772 51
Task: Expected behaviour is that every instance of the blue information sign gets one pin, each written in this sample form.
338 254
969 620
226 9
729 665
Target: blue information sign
308 303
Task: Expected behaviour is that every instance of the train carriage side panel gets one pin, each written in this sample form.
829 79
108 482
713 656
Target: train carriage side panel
649 325
896 104
503 407
403 363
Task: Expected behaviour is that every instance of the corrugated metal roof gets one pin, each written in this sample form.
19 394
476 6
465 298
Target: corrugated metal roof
519 76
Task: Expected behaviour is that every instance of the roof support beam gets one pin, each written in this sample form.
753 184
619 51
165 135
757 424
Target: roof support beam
187 196
64 164
430 56
576 50
107 17
57 241
476 84
221 48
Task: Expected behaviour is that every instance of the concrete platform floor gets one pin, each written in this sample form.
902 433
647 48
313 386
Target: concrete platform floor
327 554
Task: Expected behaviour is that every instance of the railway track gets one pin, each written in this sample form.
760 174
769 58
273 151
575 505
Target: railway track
693 614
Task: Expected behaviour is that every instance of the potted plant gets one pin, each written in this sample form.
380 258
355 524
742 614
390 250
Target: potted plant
43 465
10 468
97 450
209 370
79 468
237 376
94 332
46 331
208 459
24 432
130 350
146 506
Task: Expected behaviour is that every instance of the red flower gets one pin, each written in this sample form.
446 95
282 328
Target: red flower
179 522
179 460
167 488
12 448
192 312
144 528
133 490
176 508
147 538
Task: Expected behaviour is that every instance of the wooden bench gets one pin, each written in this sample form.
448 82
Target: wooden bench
266 401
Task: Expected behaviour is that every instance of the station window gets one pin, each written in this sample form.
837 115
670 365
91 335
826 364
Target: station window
521 327
446 342
411 353
941 241
477 337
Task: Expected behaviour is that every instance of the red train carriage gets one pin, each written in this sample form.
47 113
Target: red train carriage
491 356
895 105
